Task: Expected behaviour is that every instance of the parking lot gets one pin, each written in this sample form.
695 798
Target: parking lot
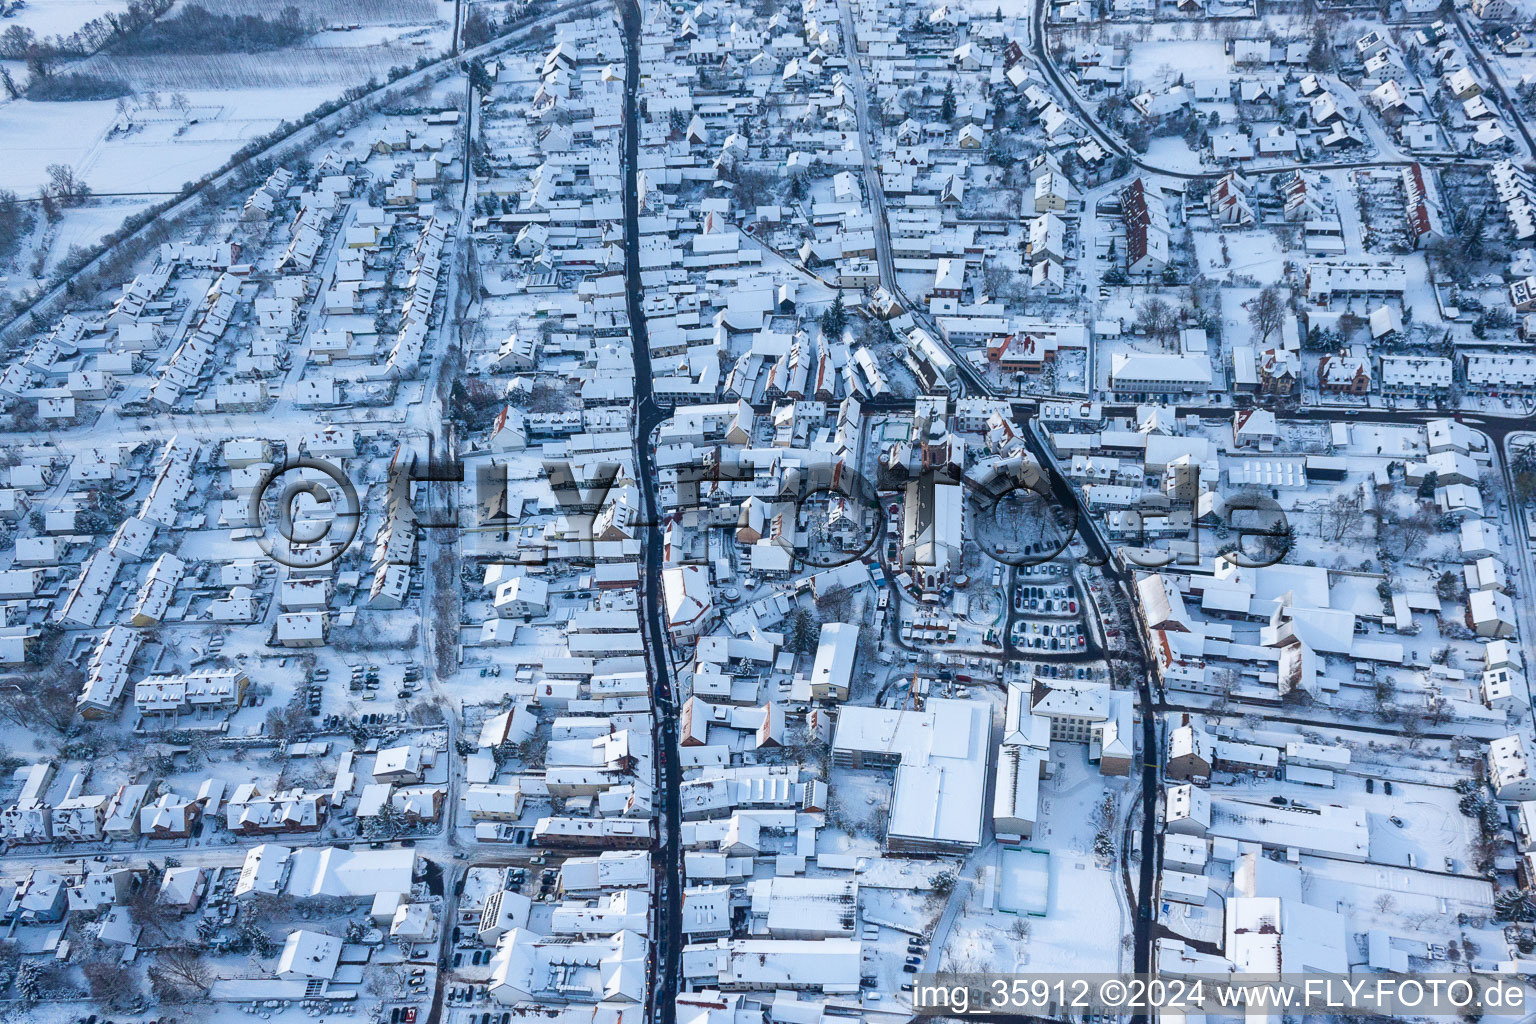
1048 636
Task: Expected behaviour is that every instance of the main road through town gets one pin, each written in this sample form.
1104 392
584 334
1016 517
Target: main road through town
667 929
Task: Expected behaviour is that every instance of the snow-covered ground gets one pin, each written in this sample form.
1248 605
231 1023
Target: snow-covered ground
60 17
1227 253
1157 63
1086 919
163 151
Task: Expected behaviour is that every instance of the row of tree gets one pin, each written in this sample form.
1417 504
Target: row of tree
18 42
15 222
480 27
199 30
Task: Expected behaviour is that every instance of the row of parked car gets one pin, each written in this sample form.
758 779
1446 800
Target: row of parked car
917 950
1048 636
1051 599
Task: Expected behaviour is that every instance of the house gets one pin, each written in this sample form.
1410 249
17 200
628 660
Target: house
688 601
169 816
79 817
1047 238
251 812
1146 229
509 432
1053 193
1416 376
190 692
506 729
301 629
122 812
1499 372
1494 10
832 672
1422 208
522 597
400 764
182 888
1355 278
1190 753
308 954
1254 428
1154 106
1509 769
1230 200
1138 373
491 803
1344 373
41 898
1187 809
1490 613
948 279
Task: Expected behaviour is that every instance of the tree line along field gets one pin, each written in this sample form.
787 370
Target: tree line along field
308 66
133 52
82 65
360 12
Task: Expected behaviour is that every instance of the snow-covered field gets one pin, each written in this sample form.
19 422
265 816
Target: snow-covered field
362 12
1086 917
1161 62
339 64
1171 152
159 157
1235 252
379 35
60 17
230 98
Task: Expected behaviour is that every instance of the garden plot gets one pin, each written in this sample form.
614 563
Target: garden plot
1159 62
1233 253
1382 212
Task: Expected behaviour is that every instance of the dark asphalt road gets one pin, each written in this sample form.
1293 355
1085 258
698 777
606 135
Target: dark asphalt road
667 933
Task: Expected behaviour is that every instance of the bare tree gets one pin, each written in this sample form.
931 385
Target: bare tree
1266 312
67 187
283 723
147 911
110 983
1156 320
1412 531
184 968
1341 515
46 699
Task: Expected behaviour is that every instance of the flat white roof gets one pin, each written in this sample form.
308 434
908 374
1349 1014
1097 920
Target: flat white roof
940 798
